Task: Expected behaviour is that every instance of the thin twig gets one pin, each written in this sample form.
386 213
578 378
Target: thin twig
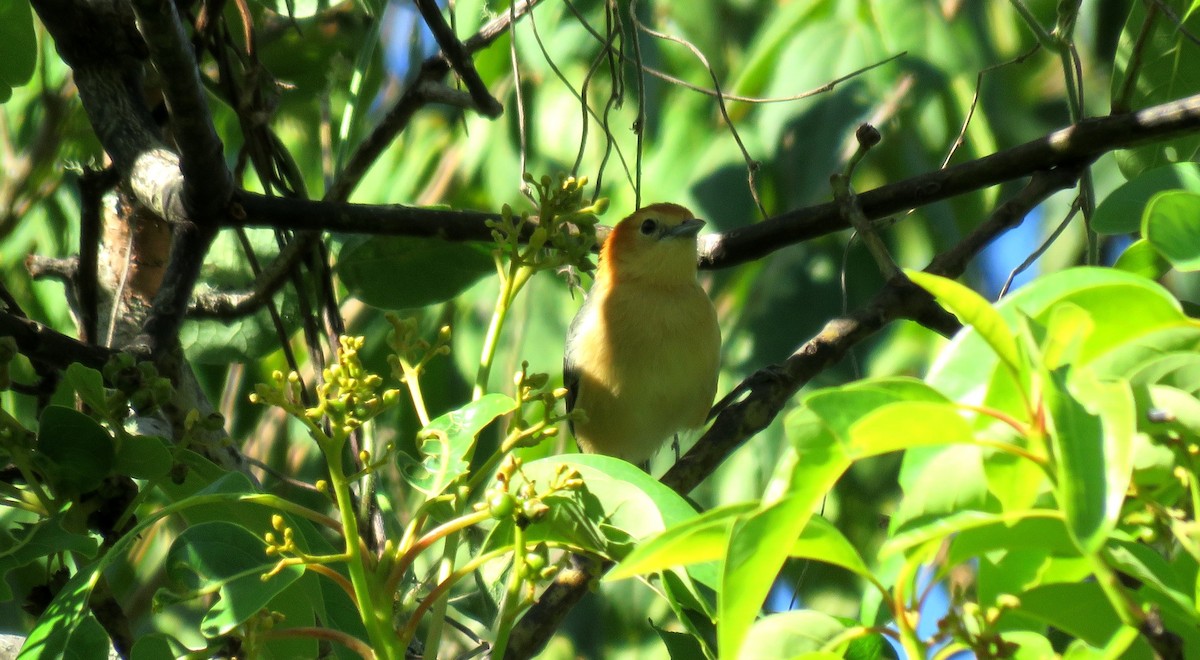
1041 249
1137 55
962 131
752 165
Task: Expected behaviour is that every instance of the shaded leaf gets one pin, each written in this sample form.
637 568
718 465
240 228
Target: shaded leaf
75 450
401 272
449 440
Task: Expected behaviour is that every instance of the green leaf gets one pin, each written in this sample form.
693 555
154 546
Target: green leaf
402 273
29 543
65 621
230 558
1142 258
1067 328
247 337
1030 645
904 425
1148 566
694 609
18 46
842 408
448 441
1170 225
75 450
788 634
1169 69
973 310
702 538
1135 359
631 504
1092 427
945 482
1041 530
1122 307
155 646
680 646
1089 617
143 457
922 532
1121 212
823 542
759 543
89 385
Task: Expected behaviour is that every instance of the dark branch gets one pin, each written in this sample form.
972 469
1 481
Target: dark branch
92 186
206 181
459 58
1071 146
414 97
1083 142
315 216
49 348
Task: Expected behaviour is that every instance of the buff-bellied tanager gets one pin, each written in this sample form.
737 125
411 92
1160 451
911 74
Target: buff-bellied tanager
643 353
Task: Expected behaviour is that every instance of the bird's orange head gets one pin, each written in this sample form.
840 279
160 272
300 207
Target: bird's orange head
655 243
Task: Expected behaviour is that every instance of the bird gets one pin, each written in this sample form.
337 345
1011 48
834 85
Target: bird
643 353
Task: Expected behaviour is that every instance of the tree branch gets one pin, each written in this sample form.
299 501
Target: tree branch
1082 142
206 181
1070 146
414 97
460 59
48 347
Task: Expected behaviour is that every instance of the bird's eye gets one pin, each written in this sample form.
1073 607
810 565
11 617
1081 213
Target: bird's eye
648 226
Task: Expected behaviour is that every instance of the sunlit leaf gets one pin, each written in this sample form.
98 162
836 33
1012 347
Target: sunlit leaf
788 634
973 311
703 538
448 440
1170 225
1142 258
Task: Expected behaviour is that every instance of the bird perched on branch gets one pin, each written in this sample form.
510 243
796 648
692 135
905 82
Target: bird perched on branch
643 353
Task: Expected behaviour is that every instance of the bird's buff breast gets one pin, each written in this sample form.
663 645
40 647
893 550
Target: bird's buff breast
651 371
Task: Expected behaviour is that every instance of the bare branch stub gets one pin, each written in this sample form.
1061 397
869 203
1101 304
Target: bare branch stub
48 347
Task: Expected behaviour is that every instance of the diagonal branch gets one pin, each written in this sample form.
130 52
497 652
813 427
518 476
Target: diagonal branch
426 88
415 96
459 58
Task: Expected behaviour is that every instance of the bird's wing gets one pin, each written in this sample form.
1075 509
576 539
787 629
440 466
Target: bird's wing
571 382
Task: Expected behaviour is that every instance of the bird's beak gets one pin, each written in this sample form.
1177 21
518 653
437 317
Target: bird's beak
689 227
